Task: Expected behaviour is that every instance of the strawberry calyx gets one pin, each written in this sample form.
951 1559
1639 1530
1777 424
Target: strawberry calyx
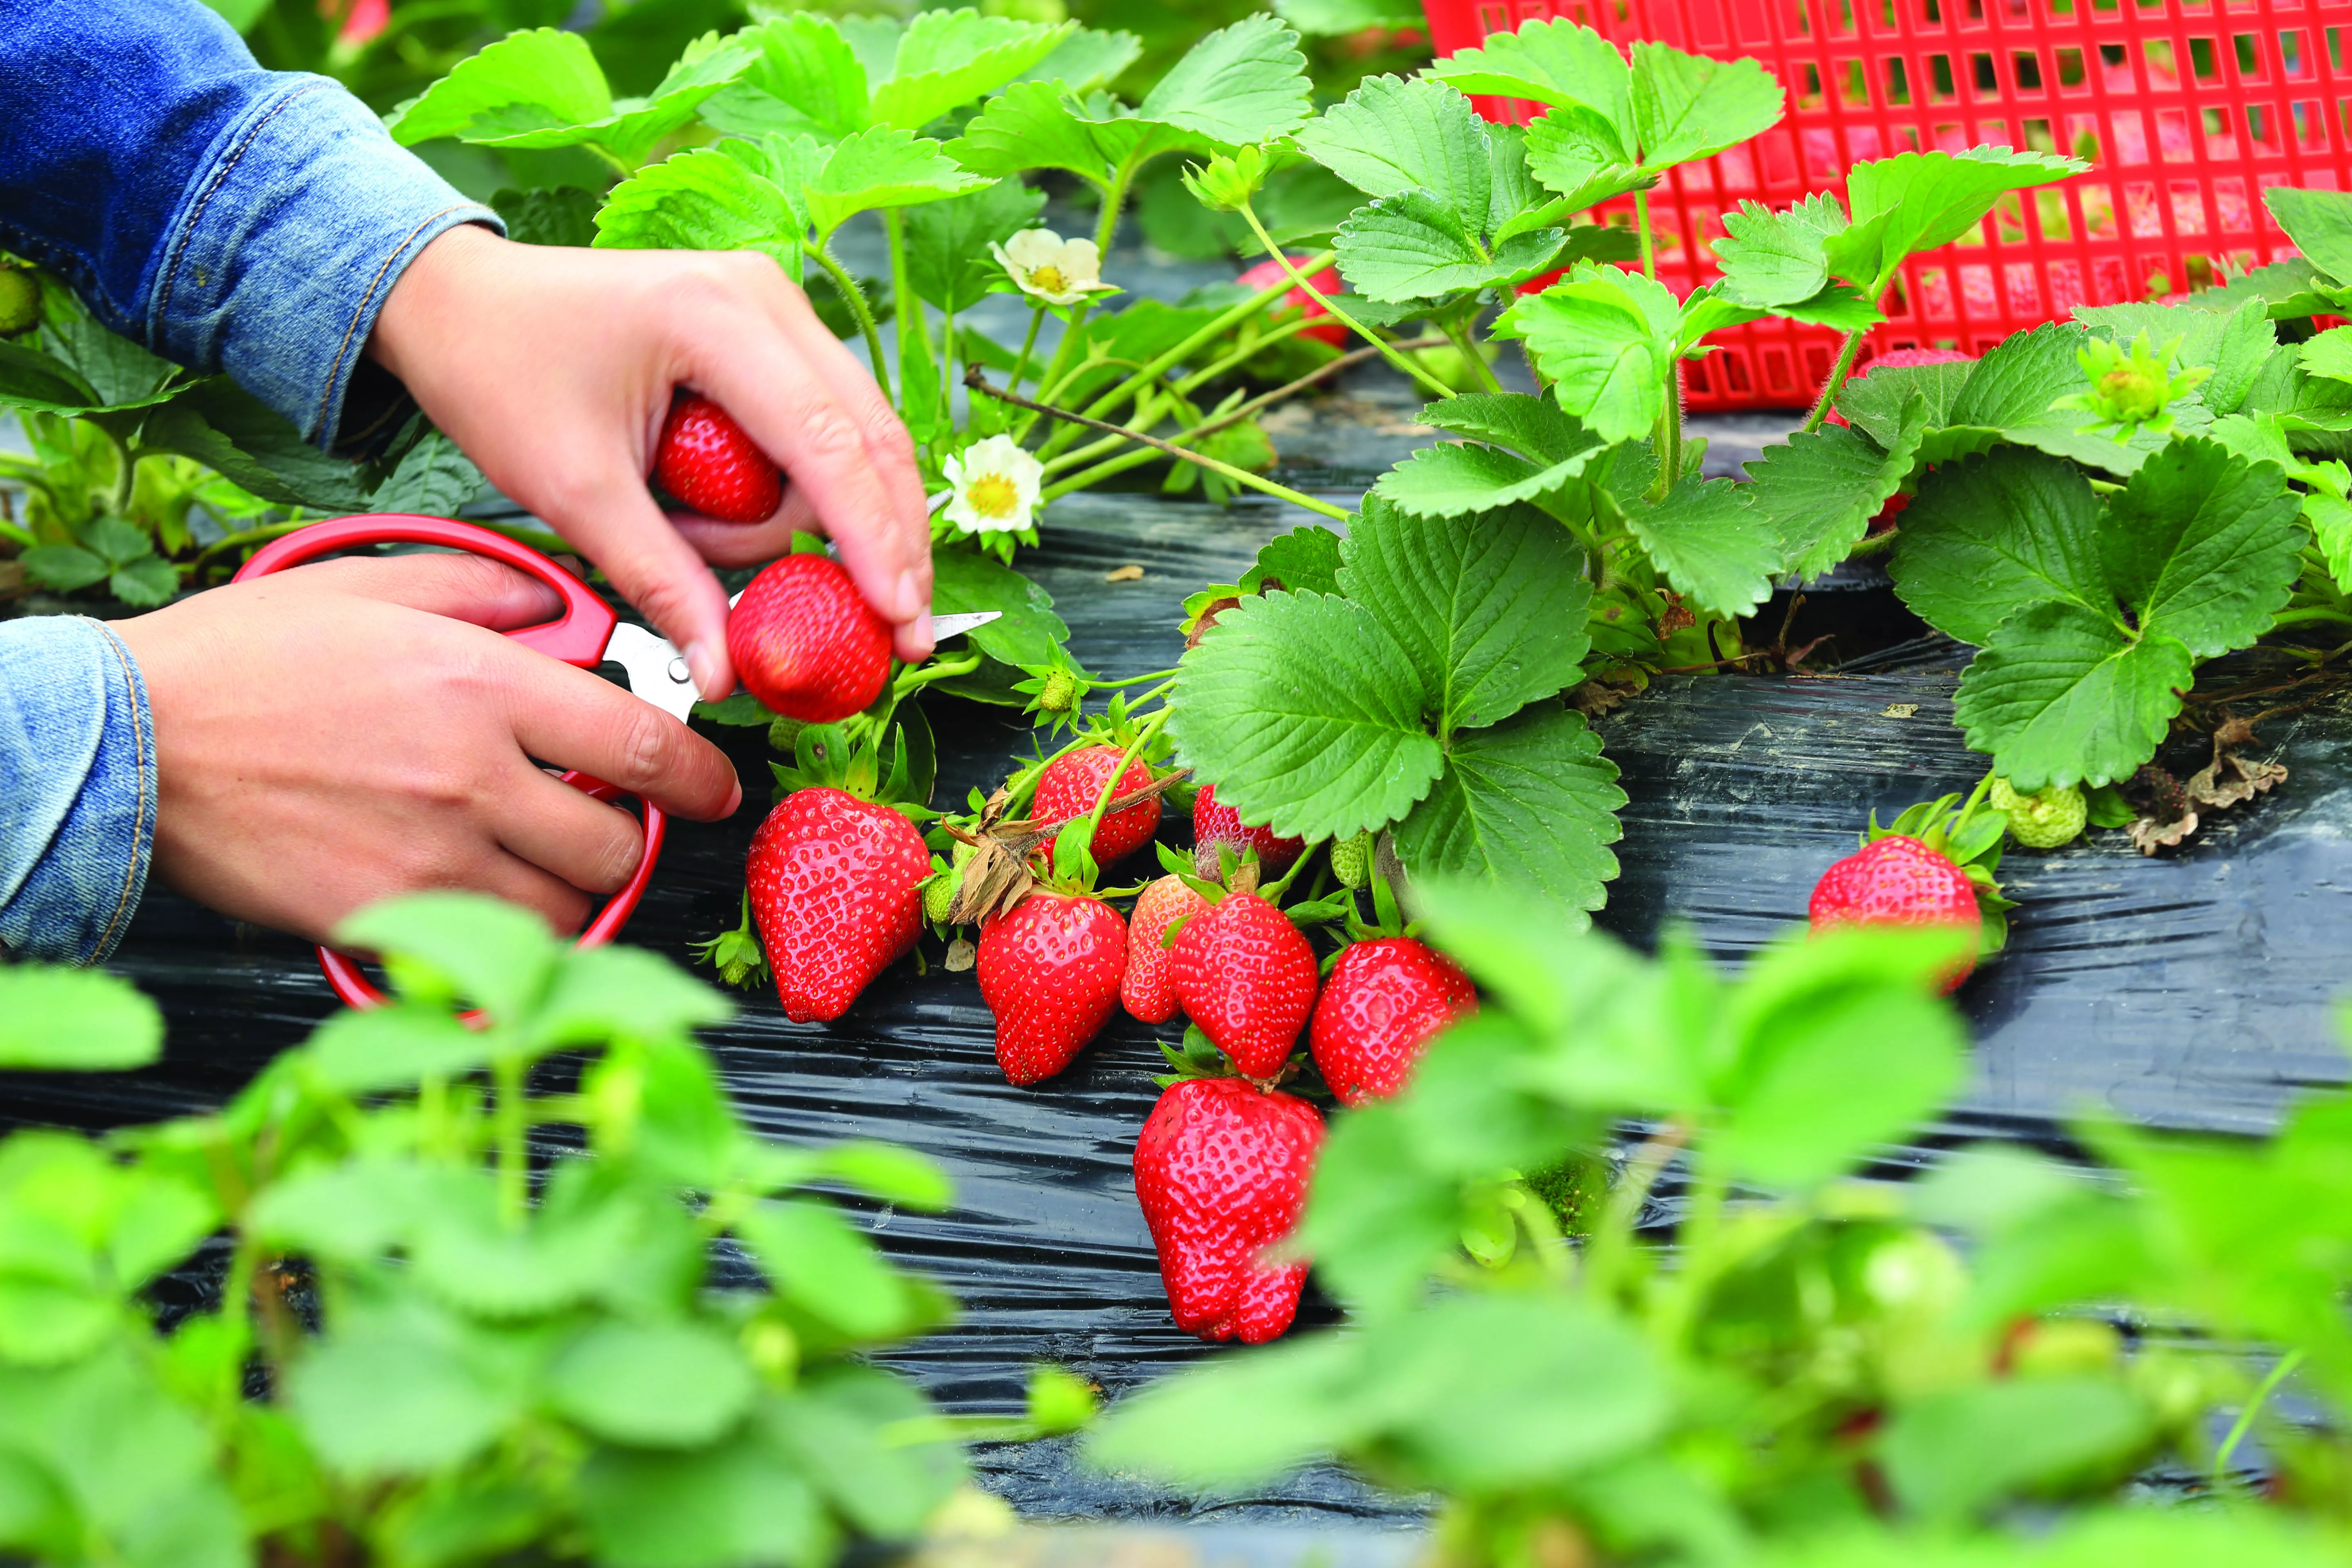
1969 833
1198 1056
849 757
736 954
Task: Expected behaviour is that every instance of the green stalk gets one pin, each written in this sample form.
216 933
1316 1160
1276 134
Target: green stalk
947 359
922 675
1049 380
1249 216
2245 1421
1696 1238
1028 346
1649 240
1199 460
1153 370
2304 616
1458 334
910 309
1846 354
1126 761
1612 1238
842 280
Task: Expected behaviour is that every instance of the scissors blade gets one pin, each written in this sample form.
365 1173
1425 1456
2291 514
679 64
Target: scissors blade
956 626
656 670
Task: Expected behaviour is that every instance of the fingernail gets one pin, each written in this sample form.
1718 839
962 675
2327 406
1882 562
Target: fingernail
923 630
703 665
912 598
733 801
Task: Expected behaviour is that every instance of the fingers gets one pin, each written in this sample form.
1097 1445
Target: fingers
748 544
588 844
828 425
462 587
603 507
564 908
573 719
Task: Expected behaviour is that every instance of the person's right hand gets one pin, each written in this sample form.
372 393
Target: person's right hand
338 733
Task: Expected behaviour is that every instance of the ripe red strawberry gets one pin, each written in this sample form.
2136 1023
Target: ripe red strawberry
834 883
1899 880
1049 970
1149 988
1067 791
1382 1002
1222 1170
1214 824
805 643
1269 272
706 460
1246 976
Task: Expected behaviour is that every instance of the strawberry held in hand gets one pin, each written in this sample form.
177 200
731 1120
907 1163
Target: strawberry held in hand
707 461
1149 989
1066 792
805 643
1246 976
1050 971
1214 826
836 887
1222 1171
1383 1000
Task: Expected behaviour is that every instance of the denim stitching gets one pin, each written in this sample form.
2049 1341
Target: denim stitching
219 176
123 902
335 367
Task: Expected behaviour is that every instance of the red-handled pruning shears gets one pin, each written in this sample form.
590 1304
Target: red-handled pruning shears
587 633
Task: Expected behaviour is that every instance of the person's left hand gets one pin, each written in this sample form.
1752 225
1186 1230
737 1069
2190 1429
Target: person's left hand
553 369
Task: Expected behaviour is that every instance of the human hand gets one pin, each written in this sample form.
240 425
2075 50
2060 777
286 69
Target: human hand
291 800
553 369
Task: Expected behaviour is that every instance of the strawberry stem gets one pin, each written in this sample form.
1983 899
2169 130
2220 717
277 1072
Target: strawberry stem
1409 366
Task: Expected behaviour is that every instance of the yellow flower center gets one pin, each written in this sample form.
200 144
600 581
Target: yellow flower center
1049 280
992 495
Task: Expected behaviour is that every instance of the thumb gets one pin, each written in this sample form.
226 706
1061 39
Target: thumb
613 520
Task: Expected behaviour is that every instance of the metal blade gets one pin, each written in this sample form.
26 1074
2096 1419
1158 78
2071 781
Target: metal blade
944 626
657 671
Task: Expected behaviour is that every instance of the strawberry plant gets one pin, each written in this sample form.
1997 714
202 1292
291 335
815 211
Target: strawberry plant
470 1311
1811 1372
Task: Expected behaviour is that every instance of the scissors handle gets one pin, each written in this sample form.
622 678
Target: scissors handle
577 637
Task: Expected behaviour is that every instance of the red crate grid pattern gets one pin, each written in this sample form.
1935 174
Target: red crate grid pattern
2187 109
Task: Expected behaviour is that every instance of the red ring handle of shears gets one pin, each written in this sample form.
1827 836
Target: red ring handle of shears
577 637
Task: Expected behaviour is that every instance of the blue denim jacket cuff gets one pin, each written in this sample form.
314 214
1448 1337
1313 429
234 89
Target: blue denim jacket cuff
283 251
77 789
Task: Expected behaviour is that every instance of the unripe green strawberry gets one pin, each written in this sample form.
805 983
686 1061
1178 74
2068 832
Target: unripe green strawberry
939 893
20 301
1060 694
2043 821
1351 860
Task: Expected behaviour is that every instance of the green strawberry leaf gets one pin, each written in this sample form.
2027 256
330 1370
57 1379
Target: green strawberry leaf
2288 289
1040 125
544 89
1821 489
1688 106
1027 631
708 200
2328 353
229 430
2320 224
947 58
1241 84
1086 59
147 582
75 1020
1875 401
1304 561
63 567
1305 712
948 260
1985 537
882 167
1556 63
1450 478
2064 695
2009 397
1534 426
1594 335
805 80
1918 201
1390 136
2091 617
1716 552
1490 612
1775 257
1710 309
1584 157
1411 245
1530 804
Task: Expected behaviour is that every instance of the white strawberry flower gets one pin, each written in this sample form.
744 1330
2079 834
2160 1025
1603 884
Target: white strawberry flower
1051 270
993 487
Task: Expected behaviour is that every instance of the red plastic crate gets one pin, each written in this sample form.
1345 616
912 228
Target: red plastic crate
2187 109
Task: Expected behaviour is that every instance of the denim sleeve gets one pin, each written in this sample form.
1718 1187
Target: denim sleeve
228 218
77 788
